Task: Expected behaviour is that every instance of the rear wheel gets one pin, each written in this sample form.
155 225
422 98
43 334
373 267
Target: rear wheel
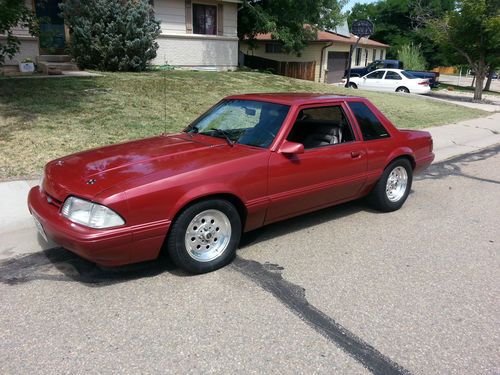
402 89
204 237
391 191
353 85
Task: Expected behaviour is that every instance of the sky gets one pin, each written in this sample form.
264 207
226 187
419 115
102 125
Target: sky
351 3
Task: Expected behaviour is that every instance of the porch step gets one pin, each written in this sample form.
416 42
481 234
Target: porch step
53 58
47 67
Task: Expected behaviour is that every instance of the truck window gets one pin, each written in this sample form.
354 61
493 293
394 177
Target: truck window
370 126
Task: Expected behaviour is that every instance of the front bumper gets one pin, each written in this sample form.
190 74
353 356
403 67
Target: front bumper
107 247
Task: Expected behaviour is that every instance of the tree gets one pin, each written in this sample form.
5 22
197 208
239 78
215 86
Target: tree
398 23
111 34
472 32
14 13
285 20
492 70
412 56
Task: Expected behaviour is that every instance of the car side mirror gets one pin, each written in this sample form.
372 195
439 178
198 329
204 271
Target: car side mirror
291 148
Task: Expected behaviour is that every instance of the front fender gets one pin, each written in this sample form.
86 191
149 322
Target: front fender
202 191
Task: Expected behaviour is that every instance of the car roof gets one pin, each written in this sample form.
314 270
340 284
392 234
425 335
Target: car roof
294 98
389 70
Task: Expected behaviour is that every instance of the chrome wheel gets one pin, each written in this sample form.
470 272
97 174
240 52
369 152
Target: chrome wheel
208 235
397 182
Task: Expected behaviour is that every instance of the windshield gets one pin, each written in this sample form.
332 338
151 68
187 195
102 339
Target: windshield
408 75
247 122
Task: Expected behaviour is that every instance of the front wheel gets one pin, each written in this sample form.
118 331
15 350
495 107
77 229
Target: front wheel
353 85
392 189
204 237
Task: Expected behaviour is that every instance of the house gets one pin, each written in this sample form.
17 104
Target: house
324 59
198 34
194 34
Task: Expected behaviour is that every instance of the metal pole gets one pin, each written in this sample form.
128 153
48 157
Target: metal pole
353 48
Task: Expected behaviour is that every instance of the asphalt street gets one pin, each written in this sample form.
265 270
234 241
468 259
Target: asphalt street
345 290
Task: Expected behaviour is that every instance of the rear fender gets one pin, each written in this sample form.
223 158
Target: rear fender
399 152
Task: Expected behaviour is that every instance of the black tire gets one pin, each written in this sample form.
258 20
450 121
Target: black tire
403 89
353 85
379 197
176 242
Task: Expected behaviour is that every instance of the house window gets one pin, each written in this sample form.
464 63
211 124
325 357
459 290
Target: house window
374 55
205 19
366 57
381 54
358 57
274 48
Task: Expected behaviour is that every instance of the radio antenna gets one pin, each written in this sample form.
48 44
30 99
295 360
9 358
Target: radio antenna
165 98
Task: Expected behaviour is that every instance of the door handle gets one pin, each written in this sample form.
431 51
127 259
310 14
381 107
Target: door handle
355 154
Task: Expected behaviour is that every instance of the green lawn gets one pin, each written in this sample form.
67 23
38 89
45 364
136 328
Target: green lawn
45 118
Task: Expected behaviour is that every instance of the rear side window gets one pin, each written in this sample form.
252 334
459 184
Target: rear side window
376 75
392 75
370 125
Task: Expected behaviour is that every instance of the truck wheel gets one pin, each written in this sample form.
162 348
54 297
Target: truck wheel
402 89
204 237
392 189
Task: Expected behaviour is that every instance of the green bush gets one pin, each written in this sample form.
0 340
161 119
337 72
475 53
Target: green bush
115 35
412 57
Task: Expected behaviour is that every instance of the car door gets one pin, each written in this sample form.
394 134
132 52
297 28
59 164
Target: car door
373 80
331 169
392 80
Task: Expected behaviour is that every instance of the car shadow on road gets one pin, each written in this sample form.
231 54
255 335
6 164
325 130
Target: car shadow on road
302 222
453 166
59 264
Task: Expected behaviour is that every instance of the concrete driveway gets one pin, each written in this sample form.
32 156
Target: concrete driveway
344 290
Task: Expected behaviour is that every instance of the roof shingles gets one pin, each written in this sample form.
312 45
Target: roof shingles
328 36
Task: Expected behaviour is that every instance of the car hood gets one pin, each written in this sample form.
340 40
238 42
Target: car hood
88 173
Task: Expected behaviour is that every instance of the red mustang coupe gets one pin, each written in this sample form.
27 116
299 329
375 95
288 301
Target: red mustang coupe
249 161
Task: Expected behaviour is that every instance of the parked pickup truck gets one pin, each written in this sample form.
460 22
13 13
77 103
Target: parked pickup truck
433 77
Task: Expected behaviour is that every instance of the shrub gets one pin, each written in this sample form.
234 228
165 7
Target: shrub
111 34
412 57
14 13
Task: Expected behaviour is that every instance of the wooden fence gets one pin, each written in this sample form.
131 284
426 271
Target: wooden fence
300 70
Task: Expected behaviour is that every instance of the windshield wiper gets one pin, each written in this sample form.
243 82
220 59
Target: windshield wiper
191 129
226 135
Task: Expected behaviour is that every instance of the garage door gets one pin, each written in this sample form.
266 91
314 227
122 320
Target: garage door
337 64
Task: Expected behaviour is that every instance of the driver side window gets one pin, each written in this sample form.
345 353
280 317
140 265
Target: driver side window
321 126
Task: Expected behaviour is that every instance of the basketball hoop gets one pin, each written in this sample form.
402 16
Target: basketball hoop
362 29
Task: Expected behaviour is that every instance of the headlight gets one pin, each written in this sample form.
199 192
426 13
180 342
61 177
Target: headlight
90 214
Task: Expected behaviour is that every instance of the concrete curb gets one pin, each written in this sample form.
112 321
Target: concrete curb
465 136
449 141
15 214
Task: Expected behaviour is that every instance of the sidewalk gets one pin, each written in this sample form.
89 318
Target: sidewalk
19 236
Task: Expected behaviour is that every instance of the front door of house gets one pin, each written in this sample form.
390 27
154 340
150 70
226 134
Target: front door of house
52 33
